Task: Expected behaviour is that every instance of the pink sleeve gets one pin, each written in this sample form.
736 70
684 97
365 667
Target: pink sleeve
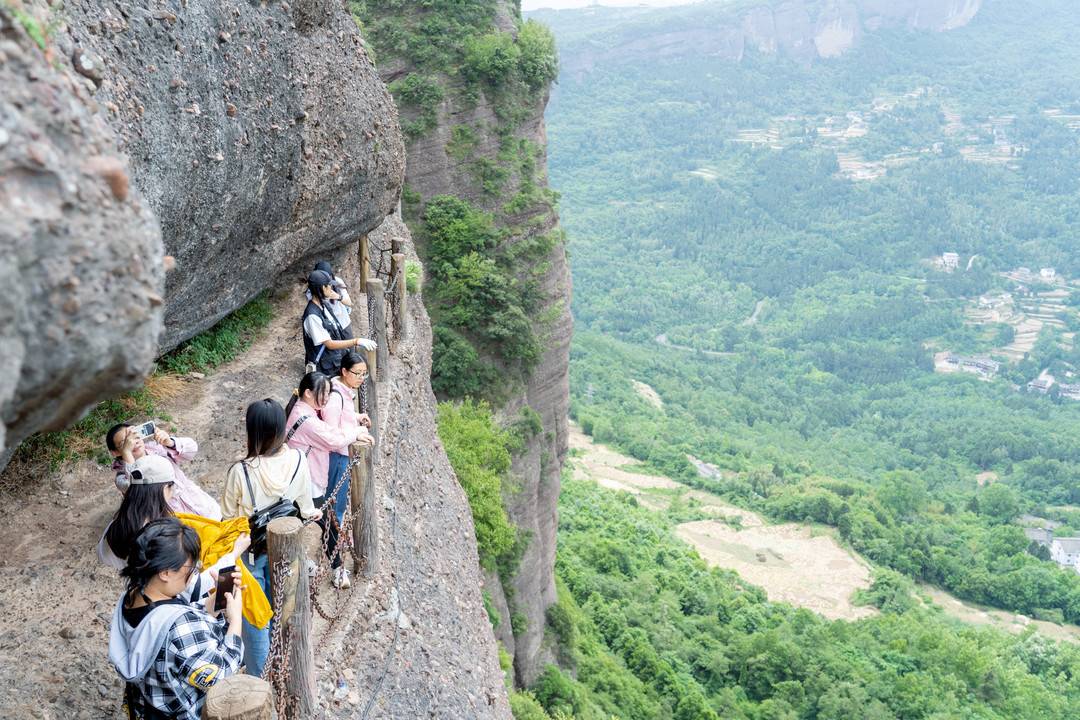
185 448
318 434
334 407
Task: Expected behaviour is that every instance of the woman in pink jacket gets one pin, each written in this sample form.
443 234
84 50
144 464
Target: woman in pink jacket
308 432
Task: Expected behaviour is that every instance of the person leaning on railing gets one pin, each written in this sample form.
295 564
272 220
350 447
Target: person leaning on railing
317 439
338 413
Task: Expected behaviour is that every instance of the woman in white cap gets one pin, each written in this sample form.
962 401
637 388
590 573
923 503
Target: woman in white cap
146 500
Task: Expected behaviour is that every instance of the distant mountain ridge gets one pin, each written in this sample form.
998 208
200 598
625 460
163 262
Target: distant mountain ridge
806 30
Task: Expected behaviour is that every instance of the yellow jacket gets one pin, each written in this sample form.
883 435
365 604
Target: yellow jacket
217 537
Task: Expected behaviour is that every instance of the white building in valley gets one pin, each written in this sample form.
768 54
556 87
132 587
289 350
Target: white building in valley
1065 552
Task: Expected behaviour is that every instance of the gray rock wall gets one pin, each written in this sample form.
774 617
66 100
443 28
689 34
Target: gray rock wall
80 253
260 134
239 138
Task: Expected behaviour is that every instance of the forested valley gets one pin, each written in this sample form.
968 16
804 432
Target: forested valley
766 244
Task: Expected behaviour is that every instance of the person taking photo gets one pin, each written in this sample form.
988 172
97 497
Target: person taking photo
127 445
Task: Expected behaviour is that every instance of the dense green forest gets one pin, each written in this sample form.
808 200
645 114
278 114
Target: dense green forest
754 240
644 630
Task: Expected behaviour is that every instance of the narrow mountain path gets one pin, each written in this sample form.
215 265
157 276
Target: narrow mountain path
57 598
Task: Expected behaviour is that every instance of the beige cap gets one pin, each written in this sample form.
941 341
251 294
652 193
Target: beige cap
151 470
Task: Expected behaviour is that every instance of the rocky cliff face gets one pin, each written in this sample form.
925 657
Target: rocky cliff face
259 135
434 169
802 29
80 251
533 508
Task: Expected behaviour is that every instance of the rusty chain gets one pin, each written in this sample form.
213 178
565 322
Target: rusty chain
276 668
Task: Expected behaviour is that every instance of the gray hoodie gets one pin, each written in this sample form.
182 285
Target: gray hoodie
133 649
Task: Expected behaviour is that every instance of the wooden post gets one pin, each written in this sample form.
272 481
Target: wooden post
397 245
239 697
372 392
400 299
365 263
285 548
365 529
378 327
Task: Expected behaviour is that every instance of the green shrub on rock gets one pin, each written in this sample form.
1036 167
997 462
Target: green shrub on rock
491 57
539 61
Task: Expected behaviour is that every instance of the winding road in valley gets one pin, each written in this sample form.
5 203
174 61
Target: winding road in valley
662 338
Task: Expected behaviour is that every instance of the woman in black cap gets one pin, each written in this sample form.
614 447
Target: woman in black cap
325 341
341 308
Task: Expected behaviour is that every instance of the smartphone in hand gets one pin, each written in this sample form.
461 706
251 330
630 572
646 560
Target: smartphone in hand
146 430
225 582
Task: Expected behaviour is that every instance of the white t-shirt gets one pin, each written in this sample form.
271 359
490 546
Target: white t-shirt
314 329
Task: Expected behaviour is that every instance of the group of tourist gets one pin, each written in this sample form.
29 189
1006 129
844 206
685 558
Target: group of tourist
172 637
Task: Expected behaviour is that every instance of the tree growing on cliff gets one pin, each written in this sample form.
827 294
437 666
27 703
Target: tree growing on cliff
478 451
539 61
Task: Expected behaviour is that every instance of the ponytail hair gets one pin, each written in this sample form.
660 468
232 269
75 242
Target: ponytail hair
164 544
316 382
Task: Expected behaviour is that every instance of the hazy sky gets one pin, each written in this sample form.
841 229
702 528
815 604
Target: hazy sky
562 4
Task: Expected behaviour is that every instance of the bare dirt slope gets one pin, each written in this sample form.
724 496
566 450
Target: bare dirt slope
427 653
793 563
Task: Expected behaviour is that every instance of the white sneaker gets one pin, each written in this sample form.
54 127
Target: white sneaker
341 579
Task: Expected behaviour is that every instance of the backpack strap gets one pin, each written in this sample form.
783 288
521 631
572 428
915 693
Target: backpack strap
296 426
251 490
299 459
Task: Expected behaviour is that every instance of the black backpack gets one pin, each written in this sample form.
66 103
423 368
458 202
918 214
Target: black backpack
261 518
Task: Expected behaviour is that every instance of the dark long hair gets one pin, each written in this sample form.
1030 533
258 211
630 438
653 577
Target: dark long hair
316 382
142 504
164 544
265 427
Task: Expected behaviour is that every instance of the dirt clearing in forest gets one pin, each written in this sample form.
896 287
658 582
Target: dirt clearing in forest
1000 619
614 471
793 563
790 562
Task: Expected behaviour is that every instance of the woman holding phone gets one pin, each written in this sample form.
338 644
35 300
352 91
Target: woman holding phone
168 650
127 443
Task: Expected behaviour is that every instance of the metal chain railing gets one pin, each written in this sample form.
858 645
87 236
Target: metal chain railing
277 667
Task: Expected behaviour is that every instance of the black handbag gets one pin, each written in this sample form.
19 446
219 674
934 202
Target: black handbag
261 518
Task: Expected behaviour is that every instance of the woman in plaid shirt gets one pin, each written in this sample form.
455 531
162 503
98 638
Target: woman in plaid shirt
169 651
